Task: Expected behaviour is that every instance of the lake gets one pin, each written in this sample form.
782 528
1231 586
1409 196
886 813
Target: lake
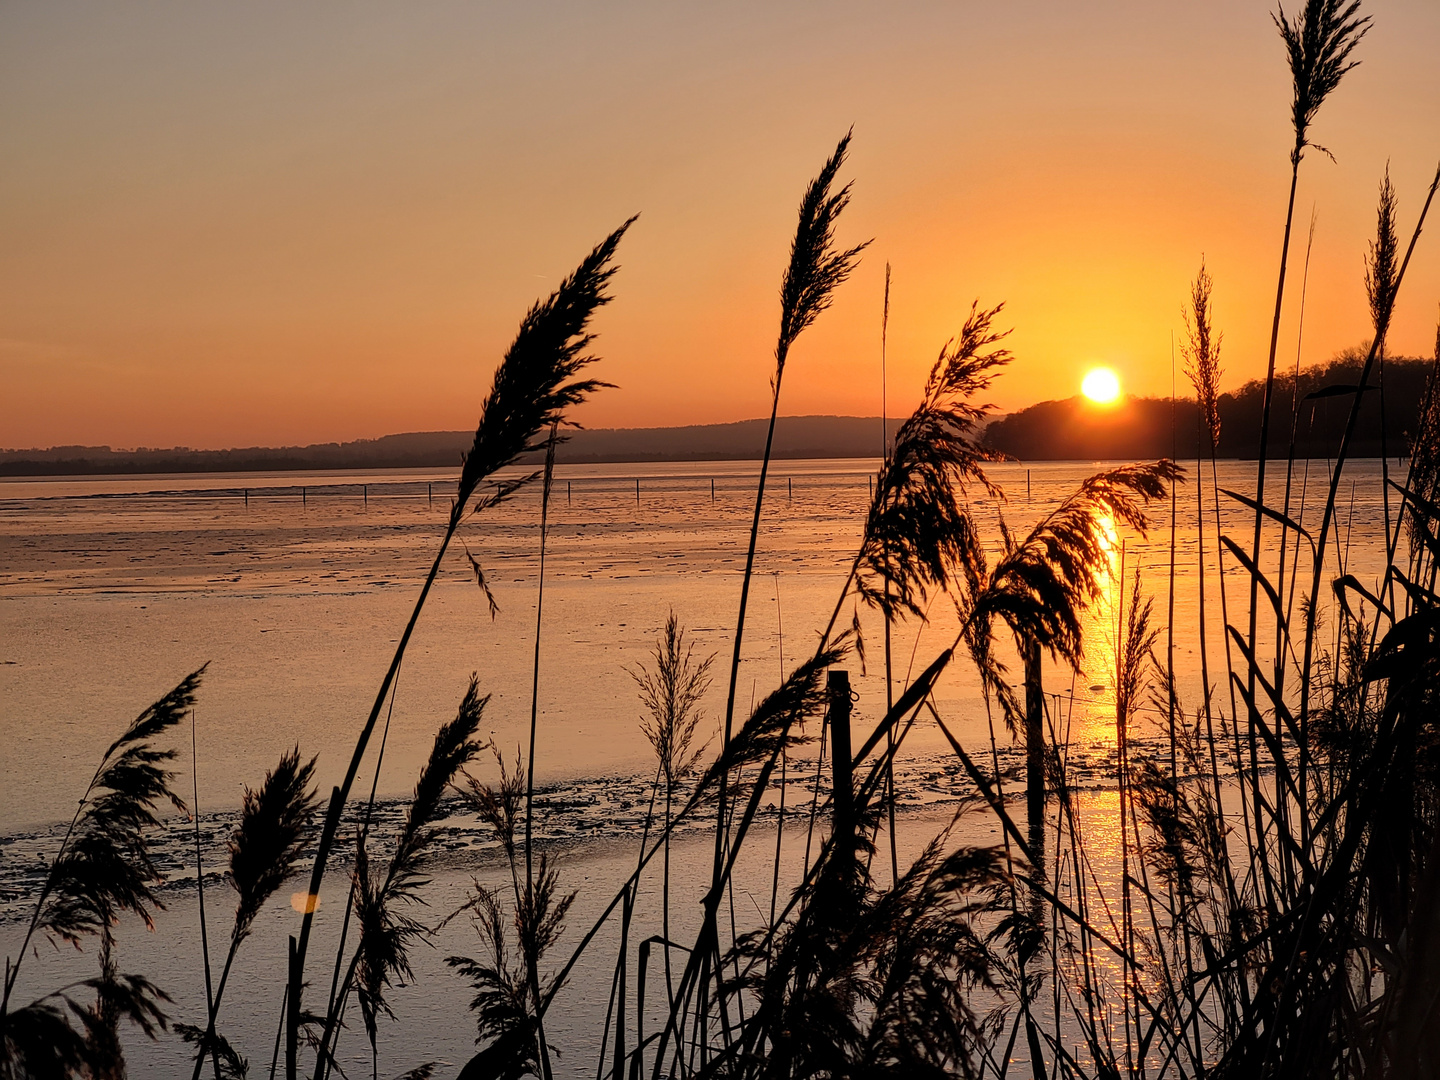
295 587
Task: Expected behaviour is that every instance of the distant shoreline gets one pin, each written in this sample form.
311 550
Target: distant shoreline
796 437
1067 430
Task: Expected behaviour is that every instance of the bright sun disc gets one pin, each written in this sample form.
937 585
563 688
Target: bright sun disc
1101 386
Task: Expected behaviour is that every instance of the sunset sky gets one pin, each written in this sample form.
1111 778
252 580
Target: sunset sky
254 223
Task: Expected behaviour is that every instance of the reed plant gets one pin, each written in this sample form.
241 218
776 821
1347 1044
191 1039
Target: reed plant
103 869
275 829
537 383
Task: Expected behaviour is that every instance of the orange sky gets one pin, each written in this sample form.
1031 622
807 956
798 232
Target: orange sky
238 224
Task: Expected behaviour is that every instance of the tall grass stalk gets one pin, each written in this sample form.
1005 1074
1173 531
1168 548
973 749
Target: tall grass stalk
273 835
889 621
816 269
534 387
1386 289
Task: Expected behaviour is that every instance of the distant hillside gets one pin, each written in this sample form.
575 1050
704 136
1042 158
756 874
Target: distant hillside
795 437
1137 428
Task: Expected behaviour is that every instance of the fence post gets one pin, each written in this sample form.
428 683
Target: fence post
843 795
304 497
1034 744
365 493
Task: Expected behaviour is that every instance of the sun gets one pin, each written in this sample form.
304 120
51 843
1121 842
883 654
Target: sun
1101 385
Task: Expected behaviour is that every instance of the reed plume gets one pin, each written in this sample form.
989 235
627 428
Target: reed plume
529 395
868 982
104 869
1424 479
1318 44
275 830
1201 351
918 531
671 693
229 1063
386 933
1382 266
504 1011
511 997
63 1037
536 383
815 270
1042 585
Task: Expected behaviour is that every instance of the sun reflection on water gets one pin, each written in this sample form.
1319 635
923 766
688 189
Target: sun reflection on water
1089 716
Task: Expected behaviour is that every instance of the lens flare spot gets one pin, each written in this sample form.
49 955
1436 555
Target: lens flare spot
1101 385
304 902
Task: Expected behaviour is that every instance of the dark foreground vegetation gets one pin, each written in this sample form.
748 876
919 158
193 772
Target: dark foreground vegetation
1277 910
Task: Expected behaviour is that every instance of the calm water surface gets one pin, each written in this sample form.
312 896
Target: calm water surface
294 589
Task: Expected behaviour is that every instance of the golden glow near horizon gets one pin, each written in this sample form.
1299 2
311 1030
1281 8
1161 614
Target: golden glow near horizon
1101 385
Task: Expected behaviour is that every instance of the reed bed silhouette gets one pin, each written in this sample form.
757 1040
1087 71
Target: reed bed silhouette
1272 907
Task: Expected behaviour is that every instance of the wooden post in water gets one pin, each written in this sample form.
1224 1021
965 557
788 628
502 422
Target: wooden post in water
1034 744
637 491
1027 483
712 489
790 494
843 802
247 496
430 494
304 497
292 1013
567 492
365 493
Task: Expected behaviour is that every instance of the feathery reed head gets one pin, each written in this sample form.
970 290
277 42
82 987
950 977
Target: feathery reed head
502 996
1201 351
455 747
1318 44
105 868
536 381
767 731
865 982
671 695
918 531
40 1041
816 269
276 826
1041 586
385 932
1382 266
1136 653
499 805
508 993
230 1064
